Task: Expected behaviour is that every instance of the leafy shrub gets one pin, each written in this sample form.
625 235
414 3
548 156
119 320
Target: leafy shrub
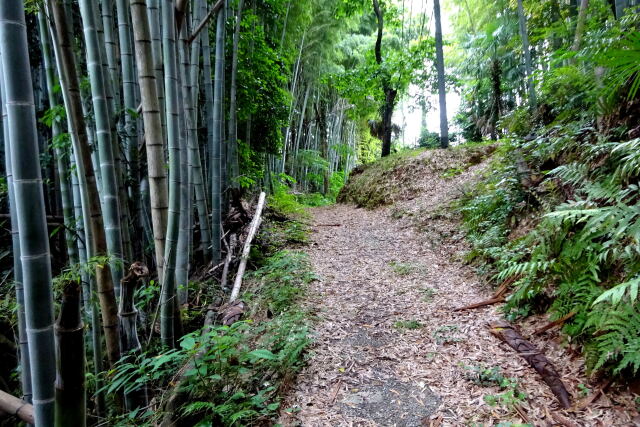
584 254
239 370
429 139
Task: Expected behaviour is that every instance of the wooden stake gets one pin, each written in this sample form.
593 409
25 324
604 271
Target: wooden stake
255 223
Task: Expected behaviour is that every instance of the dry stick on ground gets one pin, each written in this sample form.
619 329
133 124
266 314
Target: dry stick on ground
225 270
537 360
255 223
497 297
481 304
562 420
15 406
553 324
584 403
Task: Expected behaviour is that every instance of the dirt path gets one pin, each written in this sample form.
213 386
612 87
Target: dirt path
389 350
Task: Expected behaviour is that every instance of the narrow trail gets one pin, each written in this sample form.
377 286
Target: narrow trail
389 349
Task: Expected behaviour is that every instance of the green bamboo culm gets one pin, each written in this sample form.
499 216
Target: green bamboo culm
71 397
182 259
91 204
168 293
29 207
25 367
101 114
61 149
217 125
154 135
130 106
198 174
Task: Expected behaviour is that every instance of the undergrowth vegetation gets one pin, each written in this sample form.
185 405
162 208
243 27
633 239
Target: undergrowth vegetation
558 216
234 375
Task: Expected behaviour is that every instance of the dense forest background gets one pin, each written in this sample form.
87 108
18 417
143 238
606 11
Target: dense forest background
138 136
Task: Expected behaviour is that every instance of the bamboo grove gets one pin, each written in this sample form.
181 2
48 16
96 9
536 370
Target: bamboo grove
133 130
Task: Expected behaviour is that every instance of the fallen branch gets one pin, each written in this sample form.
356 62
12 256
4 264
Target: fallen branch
225 270
584 403
523 414
553 324
481 304
562 420
532 355
255 223
498 297
18 407
328 225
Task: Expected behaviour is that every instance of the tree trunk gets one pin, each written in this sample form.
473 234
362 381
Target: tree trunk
387 119
29 206
442 91
582 20
620 7
389 92
528 68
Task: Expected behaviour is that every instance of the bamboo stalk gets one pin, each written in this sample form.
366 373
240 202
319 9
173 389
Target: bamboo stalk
71 397
233 111
29 206
128 324
154 135
14 406
25 367
62 161
184 104
171 91
217 165
101 112
129 131
92 211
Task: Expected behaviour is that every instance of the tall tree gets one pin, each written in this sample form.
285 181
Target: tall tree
582 20
29 206
528 67
442 91
390 93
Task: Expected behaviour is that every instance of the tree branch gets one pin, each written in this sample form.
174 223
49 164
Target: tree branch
216 7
